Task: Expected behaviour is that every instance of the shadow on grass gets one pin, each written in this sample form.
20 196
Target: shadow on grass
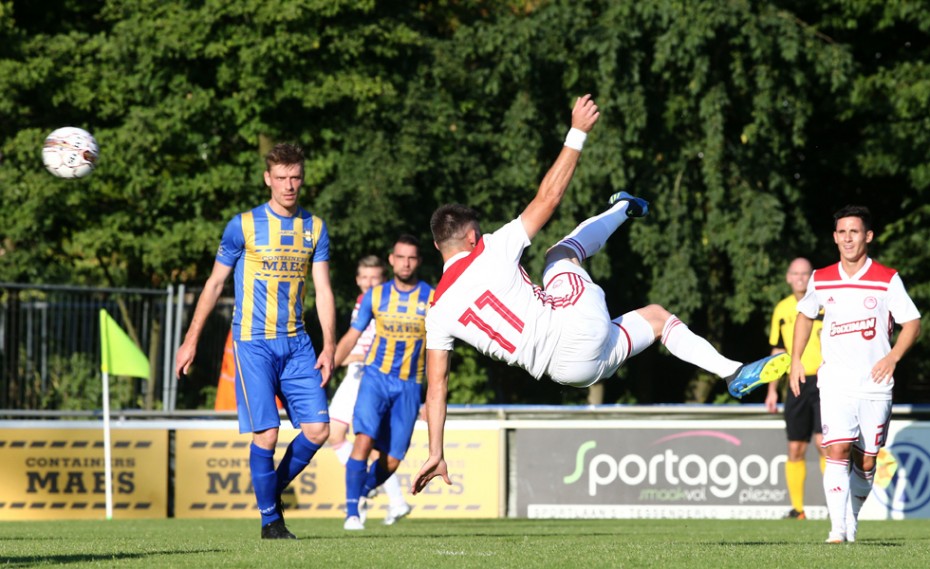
858 543
33 560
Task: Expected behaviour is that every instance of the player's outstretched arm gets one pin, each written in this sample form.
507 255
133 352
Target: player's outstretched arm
212 290
326 313
554 184
345 345
437 375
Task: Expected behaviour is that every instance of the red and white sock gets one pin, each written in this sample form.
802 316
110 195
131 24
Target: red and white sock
592 234
860 486
836 489
688 346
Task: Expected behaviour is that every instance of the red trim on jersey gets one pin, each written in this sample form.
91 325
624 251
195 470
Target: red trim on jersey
831 273
456 270
877 272
853 285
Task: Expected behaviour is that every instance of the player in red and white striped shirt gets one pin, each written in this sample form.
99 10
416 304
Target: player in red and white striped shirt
562 329
861 300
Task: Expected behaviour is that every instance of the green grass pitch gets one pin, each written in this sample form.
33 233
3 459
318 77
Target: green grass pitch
576 544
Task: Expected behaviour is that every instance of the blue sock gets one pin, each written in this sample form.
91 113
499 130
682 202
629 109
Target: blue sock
377 474
355 478
261 465
298 456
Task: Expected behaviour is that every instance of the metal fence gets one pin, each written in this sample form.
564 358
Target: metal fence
50 344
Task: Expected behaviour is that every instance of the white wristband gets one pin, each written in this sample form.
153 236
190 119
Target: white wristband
575 139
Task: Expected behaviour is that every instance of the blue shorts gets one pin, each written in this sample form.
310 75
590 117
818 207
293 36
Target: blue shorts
282 367
386 410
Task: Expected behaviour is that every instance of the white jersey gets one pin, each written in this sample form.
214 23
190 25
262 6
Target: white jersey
859 315
486 299
367 337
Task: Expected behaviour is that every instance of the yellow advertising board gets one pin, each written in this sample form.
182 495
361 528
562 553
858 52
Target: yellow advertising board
58 474
212 474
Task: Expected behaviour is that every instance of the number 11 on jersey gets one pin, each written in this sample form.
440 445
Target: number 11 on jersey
487 299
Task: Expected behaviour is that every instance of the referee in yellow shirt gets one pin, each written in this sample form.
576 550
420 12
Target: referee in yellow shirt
802 412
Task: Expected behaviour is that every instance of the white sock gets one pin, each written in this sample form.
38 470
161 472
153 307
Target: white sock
591 235
836 489
860 486
343 452
688 346
395 494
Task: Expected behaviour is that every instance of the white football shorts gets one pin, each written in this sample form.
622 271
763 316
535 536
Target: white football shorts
860 422
342 407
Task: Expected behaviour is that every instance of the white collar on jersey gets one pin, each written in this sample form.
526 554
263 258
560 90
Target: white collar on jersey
454 258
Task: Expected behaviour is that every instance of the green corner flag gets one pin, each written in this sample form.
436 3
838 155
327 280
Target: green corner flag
119 355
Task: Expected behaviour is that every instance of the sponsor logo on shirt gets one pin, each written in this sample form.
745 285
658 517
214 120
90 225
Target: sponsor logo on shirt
865 327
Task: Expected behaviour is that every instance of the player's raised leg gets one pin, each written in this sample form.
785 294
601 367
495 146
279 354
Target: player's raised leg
591 234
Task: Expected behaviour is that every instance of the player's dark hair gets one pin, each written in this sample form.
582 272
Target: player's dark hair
284 153
451 221
408 239
859 211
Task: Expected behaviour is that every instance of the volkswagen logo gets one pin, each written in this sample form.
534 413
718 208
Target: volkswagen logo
909 489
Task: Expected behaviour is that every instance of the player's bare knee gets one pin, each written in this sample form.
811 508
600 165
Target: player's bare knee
317 433
656 315
392 463
266 439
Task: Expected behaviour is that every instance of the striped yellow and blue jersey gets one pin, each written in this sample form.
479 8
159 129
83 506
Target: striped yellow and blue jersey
400 329
271 256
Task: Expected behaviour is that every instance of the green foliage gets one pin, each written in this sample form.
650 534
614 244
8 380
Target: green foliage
75 385
468 380
746 124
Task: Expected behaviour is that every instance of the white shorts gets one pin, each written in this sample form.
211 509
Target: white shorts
591 346
342 407
860 422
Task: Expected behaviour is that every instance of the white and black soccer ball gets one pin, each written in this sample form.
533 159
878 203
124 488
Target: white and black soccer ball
70 152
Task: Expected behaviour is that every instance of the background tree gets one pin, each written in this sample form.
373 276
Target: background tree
746 124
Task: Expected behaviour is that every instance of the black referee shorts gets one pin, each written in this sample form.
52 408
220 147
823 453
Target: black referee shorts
802 413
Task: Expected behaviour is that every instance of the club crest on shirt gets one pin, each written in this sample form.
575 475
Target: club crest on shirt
308 238
870 302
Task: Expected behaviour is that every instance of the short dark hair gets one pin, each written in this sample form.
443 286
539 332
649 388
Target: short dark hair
408 239
284 153
451 221
859 211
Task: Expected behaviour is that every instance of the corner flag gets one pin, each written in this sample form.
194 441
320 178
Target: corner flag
119 355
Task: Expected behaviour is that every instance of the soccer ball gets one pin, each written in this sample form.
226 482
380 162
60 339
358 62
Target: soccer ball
70 152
